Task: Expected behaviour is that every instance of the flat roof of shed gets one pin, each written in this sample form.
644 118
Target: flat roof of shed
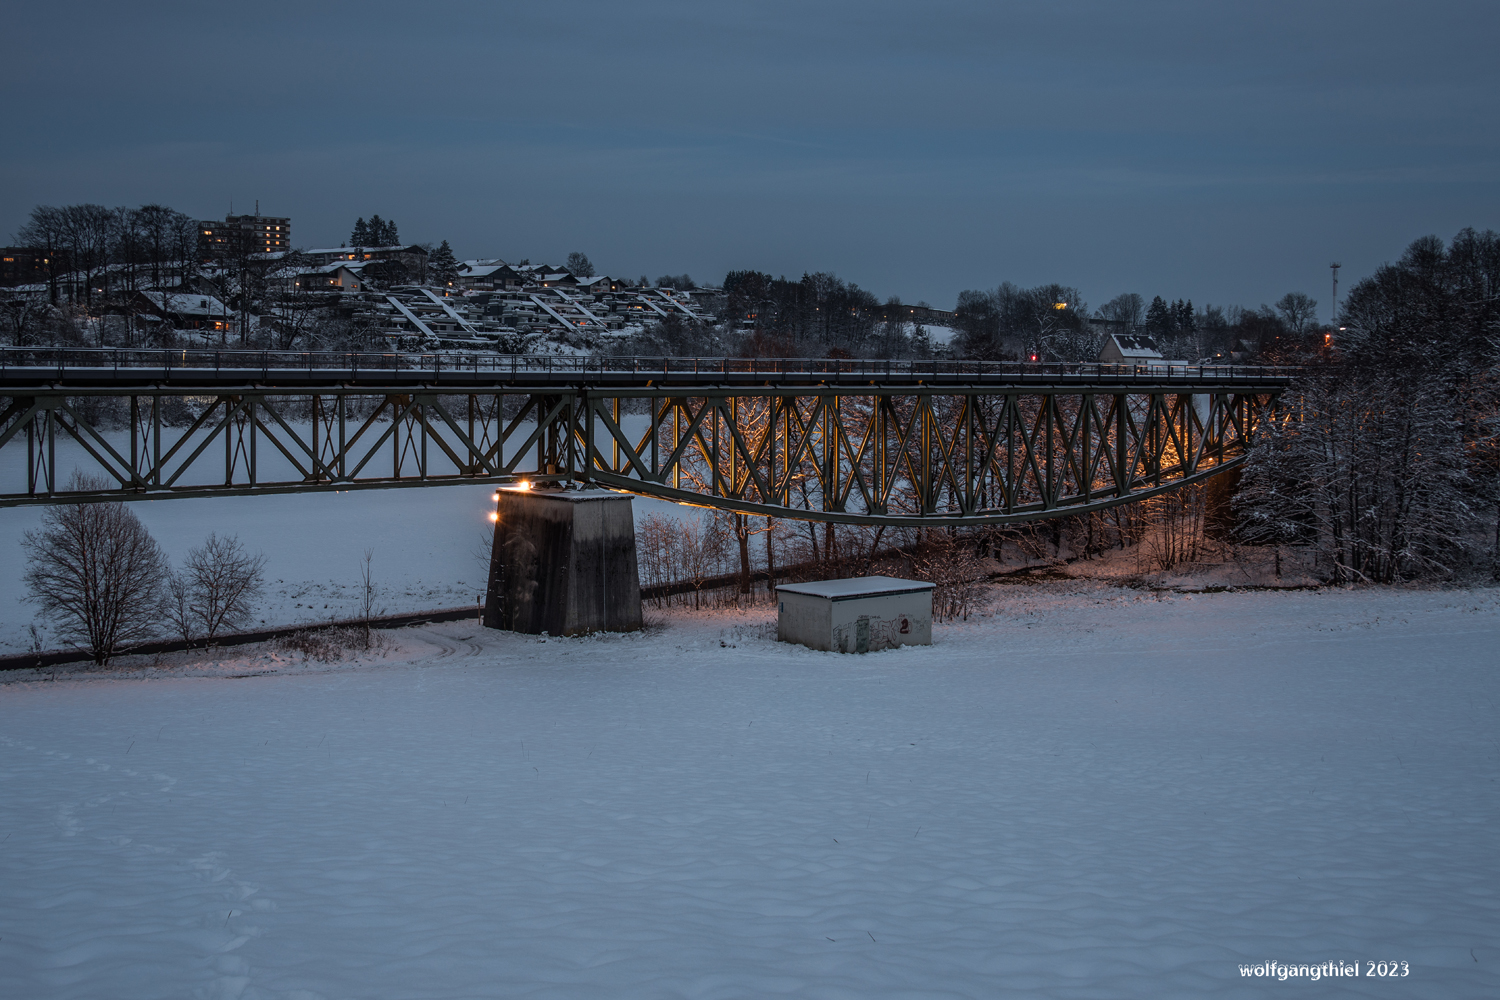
859 586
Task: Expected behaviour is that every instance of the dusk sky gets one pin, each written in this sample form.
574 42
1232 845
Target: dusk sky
1220 152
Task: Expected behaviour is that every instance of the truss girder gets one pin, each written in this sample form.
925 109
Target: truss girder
895 455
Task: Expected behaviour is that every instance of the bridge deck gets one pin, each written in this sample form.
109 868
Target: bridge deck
22 369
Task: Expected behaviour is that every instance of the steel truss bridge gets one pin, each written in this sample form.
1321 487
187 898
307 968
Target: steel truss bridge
909 443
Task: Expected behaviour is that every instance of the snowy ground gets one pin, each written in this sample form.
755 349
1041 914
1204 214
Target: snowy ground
423 544
1090 794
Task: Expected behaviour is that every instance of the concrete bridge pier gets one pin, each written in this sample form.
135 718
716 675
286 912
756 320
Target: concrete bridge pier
563 563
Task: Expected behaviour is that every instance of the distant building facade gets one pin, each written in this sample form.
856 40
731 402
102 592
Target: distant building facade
239 235
23 266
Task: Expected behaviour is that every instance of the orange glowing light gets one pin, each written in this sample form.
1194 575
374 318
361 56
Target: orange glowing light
523 485
494 515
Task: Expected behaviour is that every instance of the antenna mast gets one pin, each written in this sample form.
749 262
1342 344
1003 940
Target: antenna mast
1334 267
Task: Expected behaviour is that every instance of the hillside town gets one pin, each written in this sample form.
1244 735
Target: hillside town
85 275
242 284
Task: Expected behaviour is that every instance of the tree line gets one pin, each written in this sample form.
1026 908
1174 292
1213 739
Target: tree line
1385 457
152 246
1051 322
759 315
377 232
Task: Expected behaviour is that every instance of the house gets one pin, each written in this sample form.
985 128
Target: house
36 291
332 278
599 284
923 314
183 311
413 257
488 277
1128 349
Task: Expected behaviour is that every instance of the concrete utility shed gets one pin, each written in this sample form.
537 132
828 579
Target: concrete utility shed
563 563
856 615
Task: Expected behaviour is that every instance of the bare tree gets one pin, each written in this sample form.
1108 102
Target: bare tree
1298 311
44 231
952 565
177 606
657 545
367 592
96 573
579 265
1128 308
216 589
702 548
22 315
164 234
88 232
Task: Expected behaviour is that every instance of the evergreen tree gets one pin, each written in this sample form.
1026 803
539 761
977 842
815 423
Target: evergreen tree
443 265
377 233
360 237
1159 317
1183 319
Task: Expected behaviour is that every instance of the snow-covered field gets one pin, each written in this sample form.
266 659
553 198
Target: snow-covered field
1090 793
423 545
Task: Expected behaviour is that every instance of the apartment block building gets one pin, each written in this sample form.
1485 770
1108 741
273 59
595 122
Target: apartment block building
242 234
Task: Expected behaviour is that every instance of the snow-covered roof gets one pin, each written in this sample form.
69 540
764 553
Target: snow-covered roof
347 250
481 270
860 586
1134 345
186 303
354 266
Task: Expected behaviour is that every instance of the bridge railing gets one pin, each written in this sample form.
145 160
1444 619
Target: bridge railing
33 360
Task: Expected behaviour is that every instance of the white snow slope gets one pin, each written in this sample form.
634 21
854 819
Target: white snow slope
1086 795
